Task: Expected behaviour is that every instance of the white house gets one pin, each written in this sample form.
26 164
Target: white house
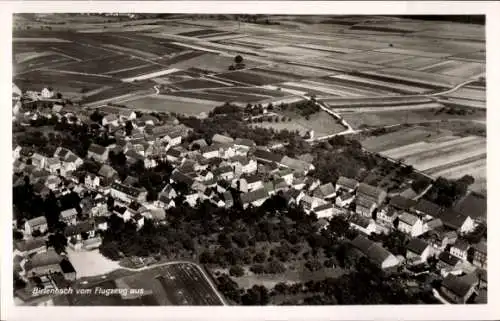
211 151
38 223
344 200
459 249
364 225
325 210
47 93
417 251
92 181
458 222
346 184
410 224
254 198
69 216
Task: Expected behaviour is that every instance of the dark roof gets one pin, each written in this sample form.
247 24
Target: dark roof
222 139
401 203
228 196
267 156
106 171
244 142
174 152
79 228
369 191
129 190
428 207
254 196
374 251
459 285
461 244
223 170
417 246
347 182
67 267
253 178
324 190
31 244
473 205
448 258
178 176
322 207
408 218
480 247
452 219
97 149
130 180
211 148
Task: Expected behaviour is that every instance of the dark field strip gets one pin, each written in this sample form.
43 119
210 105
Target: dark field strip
222 97
383 29
284 74
198 84
104 65
179 58
119 90
253 79
360 85
390 79
261 91
39 62
198 33
185 285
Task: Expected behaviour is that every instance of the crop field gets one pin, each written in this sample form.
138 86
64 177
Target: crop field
399 138
254 77
105 65
47 60
210 62
456 68
377 86
164 103
394 117
296 70
199 83
412 77
335 64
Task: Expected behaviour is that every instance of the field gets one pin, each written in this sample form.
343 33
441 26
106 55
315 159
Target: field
170 284
360 119
171 104
435 152
352 57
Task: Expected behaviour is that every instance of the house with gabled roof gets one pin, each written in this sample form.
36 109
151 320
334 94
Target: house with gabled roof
38 223
30 246
228 199
401 203
224 172
480 257
459 289
446 260
265 156
127 193
417 251
38 160
375 252
426 209
325 191
474 205
325 210
410 224
69 216
344 200
297 165
221 139
97 152
243 143
456 221
363 224
346 184
110 119
460 248
254 198
364 206
211 151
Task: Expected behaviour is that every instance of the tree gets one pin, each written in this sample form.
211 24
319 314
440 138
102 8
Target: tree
128 128
17 235
236 271
238 59
58 241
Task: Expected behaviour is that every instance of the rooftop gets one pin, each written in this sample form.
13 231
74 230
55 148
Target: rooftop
347 182
97 149
401 203
428 208
473 205
254 196
417 246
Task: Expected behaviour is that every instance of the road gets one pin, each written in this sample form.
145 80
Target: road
200 269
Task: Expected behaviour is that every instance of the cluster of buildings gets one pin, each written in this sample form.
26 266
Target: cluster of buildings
224 172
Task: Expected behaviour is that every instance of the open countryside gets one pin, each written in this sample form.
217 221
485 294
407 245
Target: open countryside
183 159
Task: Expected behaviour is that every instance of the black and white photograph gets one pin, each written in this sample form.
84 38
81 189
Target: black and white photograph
213 159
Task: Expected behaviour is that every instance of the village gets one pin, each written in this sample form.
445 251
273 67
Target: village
227 172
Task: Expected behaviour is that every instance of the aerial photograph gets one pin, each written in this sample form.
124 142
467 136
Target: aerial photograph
164 159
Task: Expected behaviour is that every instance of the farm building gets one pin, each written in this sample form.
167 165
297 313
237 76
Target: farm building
456 221
417 251
410 224
347 184
459 289
375 252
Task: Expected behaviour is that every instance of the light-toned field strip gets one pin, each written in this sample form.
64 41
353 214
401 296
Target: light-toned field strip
456 164
26 56
326 48
165 104
15 39
261 41
320 87
125 69
432 105
465 102
130 50
151 75
188 100
418 147
411 89
416 76
296 51
336 64
475 169
414 52
373 57
469 93
447 155
467 70
414 63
